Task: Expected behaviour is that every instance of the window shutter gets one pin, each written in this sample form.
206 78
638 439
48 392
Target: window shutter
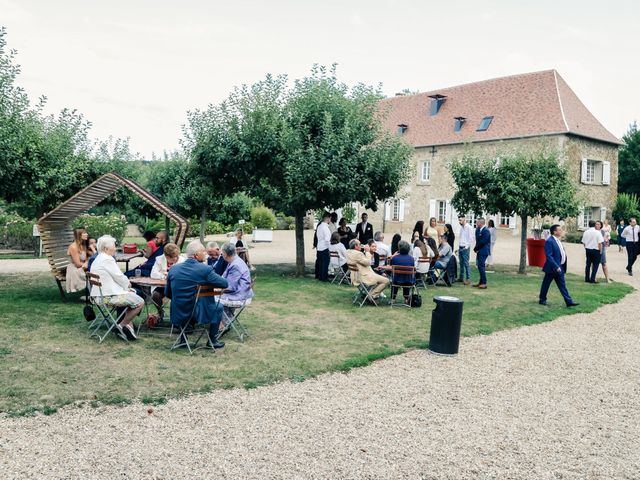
583 171
581 218
603 213
387 211
447 211
401 208
432 208
606 173
428 170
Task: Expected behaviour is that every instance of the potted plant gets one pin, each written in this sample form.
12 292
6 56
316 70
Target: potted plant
535 245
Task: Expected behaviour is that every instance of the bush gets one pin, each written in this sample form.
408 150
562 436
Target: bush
98 225
284 223
236 207
153 225
627 205
263 217
216 228
247 227
573 237
16 232
349 213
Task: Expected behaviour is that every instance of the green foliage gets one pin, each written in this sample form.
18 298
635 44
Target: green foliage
247 227
98 225
233 208
629 162
152 225
349 213
526 183
284 222
263 217
16 232
573 237
627 205
293 146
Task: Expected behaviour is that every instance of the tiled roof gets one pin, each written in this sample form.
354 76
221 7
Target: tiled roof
526 105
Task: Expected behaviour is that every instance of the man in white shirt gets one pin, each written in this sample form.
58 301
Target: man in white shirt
631 234
465 242
322 250
383 248
593 241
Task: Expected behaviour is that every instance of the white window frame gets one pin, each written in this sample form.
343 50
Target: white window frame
425 170
587 216
504 220
441 211
471 219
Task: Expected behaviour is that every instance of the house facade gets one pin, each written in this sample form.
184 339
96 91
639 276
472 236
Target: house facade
492 118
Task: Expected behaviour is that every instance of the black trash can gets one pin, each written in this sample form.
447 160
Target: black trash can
446 321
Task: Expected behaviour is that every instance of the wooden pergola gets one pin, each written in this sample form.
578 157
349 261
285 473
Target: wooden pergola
55 227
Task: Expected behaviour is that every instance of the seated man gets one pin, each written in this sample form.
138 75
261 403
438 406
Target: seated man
182 285
238 276
444 256
382 248
160 271
359 255
145 268
214 259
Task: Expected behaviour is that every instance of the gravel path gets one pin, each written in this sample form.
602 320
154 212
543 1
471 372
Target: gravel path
554 401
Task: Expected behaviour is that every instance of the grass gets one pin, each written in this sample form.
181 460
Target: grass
299 329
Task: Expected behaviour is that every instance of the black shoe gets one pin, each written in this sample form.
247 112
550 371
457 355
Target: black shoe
572 304
129 332
119 331
542 302
216 344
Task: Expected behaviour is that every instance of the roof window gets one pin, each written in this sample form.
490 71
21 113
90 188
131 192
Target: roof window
402 128
459 122
484 124
436 102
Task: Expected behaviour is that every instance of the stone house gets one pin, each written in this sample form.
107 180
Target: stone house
491 117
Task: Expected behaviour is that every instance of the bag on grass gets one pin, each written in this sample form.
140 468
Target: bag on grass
89 314
416 301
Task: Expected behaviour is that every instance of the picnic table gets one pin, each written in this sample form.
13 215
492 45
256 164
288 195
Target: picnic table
126 258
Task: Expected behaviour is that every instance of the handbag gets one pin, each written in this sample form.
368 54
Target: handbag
416 301
89 314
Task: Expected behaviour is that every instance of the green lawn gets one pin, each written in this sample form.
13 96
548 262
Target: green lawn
299 328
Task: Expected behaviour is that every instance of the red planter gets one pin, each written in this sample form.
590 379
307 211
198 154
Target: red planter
535 252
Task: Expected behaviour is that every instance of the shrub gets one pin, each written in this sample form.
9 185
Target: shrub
247 227
233 208
626 206
263 217
349 213
16 232
216 228
284 223
98 225
573 237
153 225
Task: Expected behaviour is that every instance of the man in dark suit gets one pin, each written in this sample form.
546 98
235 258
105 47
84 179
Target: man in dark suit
182 285
555 267
483 250
364 230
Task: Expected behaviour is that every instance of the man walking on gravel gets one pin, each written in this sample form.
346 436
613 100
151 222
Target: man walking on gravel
555 267
631 234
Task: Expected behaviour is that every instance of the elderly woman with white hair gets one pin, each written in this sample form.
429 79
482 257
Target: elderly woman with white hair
115 287
238 276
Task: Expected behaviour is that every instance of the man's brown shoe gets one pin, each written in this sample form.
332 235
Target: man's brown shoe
482 286
475 285
467 282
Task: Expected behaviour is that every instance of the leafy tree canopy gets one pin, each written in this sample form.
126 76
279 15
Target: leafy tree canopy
629 162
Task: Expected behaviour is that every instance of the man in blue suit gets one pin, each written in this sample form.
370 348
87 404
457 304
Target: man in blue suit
483 250
182 285
555 267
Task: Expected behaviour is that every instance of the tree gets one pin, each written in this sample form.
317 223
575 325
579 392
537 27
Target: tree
627 206
315 144
629 162
528 184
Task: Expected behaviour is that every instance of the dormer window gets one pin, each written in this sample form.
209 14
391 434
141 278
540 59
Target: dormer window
402 128
484 124
436 102
459 122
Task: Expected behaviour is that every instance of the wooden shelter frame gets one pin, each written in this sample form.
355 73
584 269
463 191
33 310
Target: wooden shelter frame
55 227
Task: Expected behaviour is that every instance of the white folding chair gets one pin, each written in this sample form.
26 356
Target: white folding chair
423 264
402 270
182 340
108 316
338 274
363 292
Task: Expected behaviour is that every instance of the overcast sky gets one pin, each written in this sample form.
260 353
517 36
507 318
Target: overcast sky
134 68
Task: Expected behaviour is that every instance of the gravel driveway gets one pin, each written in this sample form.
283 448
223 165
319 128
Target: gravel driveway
553 401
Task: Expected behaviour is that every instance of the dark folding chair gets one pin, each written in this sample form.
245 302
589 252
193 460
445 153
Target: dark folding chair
182 341
402 270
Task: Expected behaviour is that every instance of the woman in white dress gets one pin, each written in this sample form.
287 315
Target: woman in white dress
76 278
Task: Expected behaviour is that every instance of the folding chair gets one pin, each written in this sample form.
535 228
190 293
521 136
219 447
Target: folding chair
423 263
402 270
363 292
204 292
338 273
108 316
441 276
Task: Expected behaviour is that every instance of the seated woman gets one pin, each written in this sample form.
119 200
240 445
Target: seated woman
395 241
450 234
420 250
375 258
78 253
160 271
403 258
243 253
150 238
115 287
237 274
346 234
337 247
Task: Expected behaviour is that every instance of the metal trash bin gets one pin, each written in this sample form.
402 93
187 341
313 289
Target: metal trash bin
446 321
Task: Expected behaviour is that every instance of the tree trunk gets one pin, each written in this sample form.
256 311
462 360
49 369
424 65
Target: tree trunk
300 244
522 268
203 223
